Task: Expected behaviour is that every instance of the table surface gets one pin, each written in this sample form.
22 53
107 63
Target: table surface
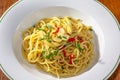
112 5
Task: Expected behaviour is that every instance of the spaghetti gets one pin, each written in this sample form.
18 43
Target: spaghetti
61 46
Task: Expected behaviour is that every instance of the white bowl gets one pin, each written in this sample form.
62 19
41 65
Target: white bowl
92 12
35 16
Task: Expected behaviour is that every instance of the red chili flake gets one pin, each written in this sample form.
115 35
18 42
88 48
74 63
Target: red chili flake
71 39
70 57
64 52
70 62
80 39
57 30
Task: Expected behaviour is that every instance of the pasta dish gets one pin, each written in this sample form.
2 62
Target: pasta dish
61 46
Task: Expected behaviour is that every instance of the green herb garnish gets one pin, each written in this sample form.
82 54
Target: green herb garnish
43 54
49 56
41 39
46 56
41 29
60 37
48 39
49 33
64 37
47 36
56 52
78 46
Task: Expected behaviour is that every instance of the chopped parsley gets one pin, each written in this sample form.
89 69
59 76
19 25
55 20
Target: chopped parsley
41 29
43 54
46 37
41 39
62 37
46 56
79 47
49 56
56 52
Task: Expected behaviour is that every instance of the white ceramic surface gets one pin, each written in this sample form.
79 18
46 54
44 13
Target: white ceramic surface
27 12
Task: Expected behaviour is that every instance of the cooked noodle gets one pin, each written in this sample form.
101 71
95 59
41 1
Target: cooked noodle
61 46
